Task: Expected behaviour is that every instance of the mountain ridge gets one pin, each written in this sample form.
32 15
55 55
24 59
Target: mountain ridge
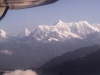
61 31
45 43
86 65
23 34
72 55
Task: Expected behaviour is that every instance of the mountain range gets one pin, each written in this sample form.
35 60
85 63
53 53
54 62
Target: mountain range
36 48
81 65
72 55
61 31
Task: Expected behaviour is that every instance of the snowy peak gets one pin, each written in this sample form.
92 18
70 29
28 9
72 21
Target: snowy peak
60 22
59 32
82 28
65 31
24 33
3 34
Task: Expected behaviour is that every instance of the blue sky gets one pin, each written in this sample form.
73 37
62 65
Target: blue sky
66 10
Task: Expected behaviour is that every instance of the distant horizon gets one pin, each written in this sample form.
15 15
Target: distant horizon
31 30
65 10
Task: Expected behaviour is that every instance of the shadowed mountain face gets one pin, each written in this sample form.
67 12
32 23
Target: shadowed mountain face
87 65
79 53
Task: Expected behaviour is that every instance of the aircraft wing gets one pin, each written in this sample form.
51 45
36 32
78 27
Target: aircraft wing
3 11
20 4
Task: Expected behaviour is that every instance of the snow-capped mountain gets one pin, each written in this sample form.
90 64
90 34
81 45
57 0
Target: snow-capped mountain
46 42
62 31
24 33
3 34
58 32
82 28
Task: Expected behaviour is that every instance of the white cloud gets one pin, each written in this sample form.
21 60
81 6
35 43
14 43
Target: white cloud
21 72
6 52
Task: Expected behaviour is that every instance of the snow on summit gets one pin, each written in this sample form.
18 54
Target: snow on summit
24 33
82 28
63 31
27 32
3 34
